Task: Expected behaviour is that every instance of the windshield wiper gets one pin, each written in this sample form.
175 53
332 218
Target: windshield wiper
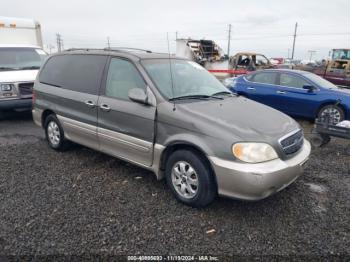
199 97
29 67
7 68
222 93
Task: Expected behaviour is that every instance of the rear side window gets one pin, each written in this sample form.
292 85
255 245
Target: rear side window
122 76
81 73
265 78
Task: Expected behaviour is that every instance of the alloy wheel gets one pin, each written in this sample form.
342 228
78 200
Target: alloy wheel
333 114
53 133
184 179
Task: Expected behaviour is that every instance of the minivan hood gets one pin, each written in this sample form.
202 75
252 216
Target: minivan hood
18 76
235 118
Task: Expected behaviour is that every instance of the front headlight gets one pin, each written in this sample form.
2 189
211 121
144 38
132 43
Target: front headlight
6 87
254 152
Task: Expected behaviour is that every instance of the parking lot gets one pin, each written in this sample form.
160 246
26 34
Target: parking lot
82 201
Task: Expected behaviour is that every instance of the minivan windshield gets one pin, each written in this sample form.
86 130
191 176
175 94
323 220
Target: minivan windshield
21 58
189 79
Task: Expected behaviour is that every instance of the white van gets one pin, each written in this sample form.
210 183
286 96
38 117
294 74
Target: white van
21 56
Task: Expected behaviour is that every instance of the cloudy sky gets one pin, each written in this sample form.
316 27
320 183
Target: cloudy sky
264 26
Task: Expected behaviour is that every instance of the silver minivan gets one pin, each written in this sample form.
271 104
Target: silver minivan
171 116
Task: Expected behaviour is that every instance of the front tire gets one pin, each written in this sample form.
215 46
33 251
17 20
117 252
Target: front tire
336 114
55 134
190 178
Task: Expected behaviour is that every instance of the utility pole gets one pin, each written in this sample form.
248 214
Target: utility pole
59 42
295 36
62 45
288 53
108 43
229 40
49 47
176 35
311 53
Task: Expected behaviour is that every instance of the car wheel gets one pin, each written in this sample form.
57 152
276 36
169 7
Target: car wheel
190 178
54 134
335 114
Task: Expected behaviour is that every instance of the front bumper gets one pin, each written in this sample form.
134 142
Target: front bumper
258 181
9 104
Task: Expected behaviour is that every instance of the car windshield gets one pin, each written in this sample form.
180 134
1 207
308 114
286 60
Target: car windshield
189 79
15 58
321 81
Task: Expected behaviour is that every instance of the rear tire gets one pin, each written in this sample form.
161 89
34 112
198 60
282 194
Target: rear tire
190 178
335 112
55 134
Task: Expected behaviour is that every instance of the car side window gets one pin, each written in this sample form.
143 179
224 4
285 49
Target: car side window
261 60
80 73
265 78
292 81
122 76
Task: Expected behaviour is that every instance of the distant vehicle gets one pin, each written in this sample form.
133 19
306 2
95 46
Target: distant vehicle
21 56
209 55
182 124
294 92
277 60
250 61
335 70
206 53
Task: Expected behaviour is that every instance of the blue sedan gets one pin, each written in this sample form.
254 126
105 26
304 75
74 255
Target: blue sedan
294 92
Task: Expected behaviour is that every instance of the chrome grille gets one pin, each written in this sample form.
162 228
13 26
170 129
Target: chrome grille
25 88
292 143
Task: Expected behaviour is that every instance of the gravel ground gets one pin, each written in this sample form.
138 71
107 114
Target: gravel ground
85 202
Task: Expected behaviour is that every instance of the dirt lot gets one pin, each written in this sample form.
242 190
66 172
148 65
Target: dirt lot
85 202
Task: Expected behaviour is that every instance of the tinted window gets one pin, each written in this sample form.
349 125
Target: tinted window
265 78
122 76
292 81
81 73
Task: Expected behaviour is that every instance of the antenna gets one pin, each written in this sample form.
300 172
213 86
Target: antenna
171 71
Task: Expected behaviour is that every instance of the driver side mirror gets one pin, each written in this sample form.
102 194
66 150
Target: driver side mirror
138 95
309 88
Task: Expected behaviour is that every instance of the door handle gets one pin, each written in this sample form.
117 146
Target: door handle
251 88
280 92
105 107
89 103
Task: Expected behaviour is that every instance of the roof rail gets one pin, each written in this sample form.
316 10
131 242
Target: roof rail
116 49
82 49
126 48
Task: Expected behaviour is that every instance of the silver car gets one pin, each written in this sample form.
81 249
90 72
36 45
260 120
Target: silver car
172 117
